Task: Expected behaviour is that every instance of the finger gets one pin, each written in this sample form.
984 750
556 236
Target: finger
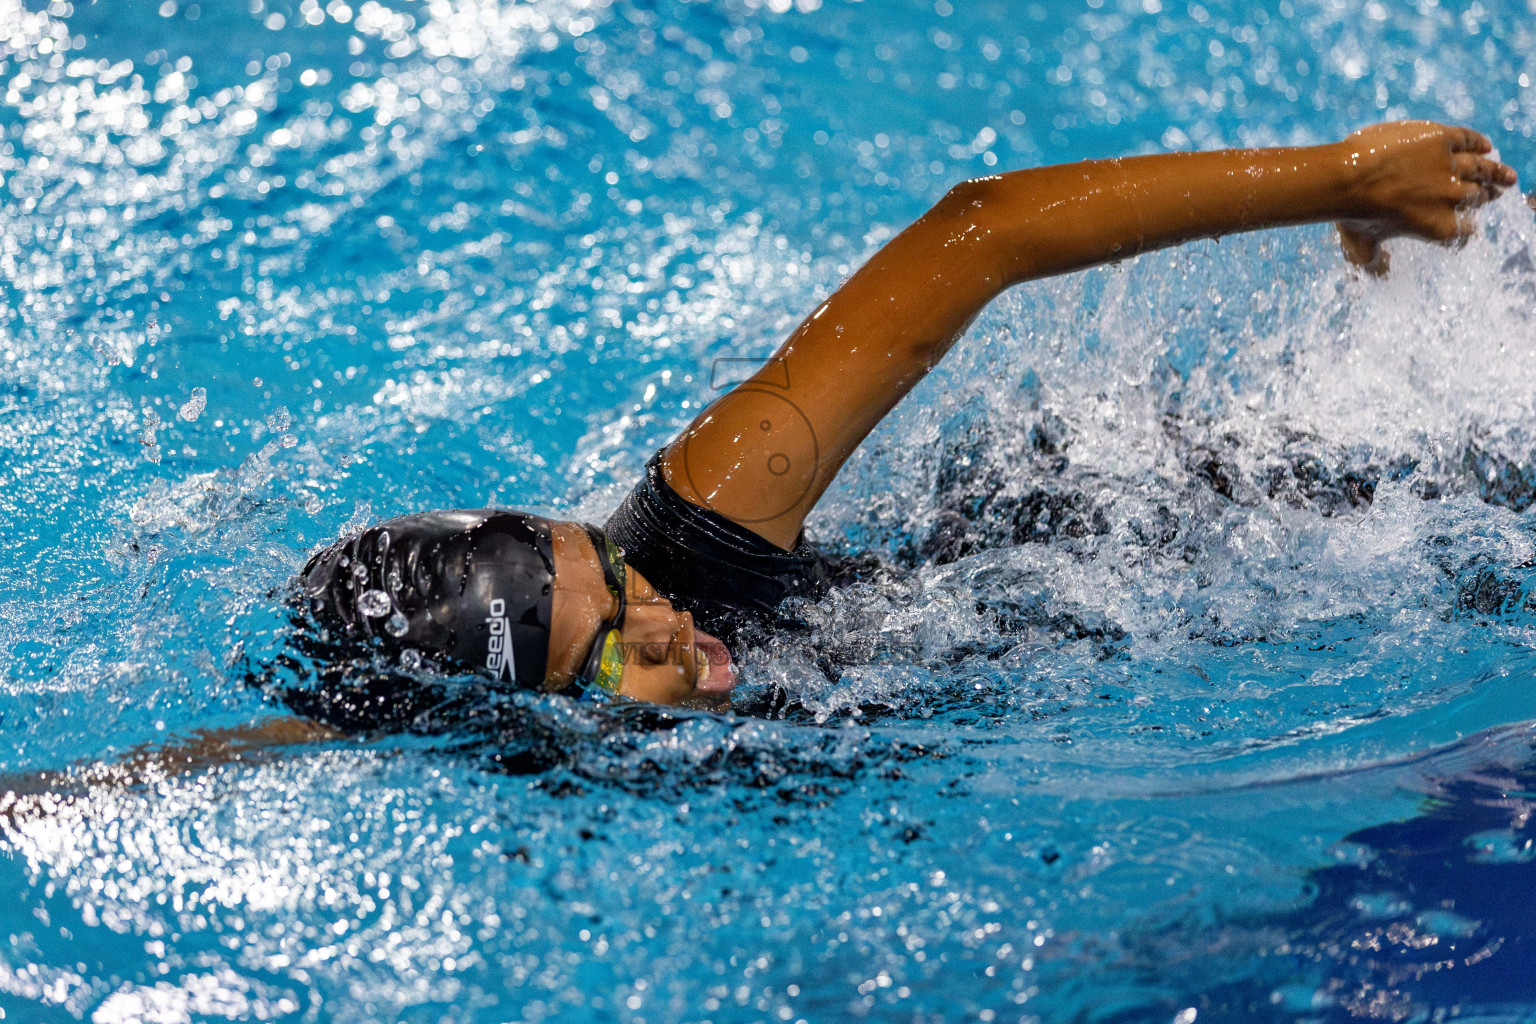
1380 264
1443 225
1465 140
1364 252
1474 195
1466 228
1457 231
1469 167
1359 248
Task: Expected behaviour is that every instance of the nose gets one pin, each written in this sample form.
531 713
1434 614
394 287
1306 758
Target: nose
664 636
685 637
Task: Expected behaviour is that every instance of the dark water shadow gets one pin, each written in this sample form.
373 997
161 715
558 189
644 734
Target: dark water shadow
1428 919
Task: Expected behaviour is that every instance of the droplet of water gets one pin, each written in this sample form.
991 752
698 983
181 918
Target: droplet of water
147 438
312 504
410 659
373 603
396 624
194 406
280 420
359 571
288 440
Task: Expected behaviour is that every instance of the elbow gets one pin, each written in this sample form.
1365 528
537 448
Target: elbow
973 196
975 224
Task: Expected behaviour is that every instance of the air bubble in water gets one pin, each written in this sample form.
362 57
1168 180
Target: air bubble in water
194 406
410 659
359 571
373 603
396 624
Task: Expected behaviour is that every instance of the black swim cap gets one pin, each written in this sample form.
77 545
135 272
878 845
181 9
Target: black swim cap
474 587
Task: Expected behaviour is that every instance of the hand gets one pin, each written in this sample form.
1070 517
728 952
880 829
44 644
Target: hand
1364 250
1415 178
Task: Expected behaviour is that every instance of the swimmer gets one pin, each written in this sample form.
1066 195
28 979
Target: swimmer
711 540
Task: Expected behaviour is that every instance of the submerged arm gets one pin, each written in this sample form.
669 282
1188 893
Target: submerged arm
763 454
34 794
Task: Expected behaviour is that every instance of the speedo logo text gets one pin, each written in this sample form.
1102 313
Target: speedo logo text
498 656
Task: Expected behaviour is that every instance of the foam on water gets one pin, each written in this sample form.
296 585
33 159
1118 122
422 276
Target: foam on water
1193 571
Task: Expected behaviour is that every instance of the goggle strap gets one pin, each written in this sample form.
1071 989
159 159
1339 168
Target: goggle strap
611 557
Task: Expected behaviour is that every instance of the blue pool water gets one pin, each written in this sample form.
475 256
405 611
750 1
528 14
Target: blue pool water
1198 686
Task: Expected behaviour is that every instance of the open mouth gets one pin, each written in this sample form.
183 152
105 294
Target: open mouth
717 673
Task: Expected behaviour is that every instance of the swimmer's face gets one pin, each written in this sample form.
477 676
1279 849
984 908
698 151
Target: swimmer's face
666 660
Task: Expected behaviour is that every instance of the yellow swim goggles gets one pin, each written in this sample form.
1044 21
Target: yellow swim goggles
604 667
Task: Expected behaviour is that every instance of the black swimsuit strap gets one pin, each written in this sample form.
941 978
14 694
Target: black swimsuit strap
731 579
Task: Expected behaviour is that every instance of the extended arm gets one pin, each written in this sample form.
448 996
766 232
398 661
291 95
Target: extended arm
35 795
763 454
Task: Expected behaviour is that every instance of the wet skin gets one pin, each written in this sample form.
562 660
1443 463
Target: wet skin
763 454
666 659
